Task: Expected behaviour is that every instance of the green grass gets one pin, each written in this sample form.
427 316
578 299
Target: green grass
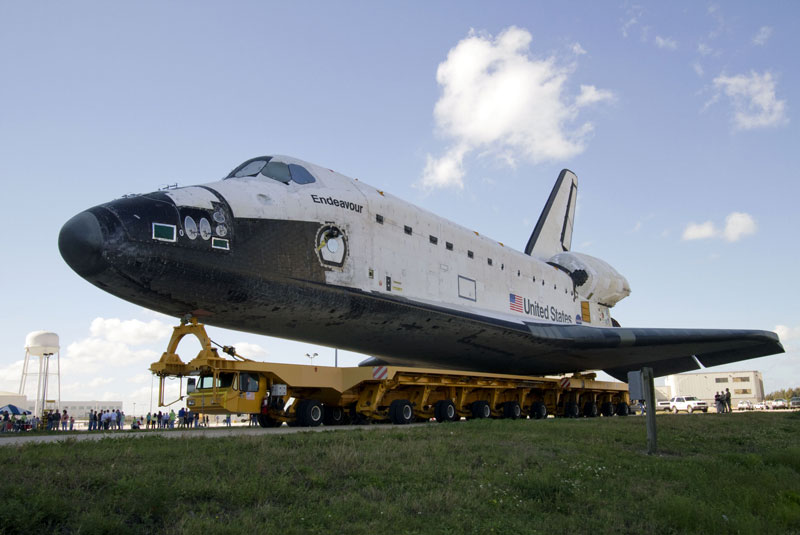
713 474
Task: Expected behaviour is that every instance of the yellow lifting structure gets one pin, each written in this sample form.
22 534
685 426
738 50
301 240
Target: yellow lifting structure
308 395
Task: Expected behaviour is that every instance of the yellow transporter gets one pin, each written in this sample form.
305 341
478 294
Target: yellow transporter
401 395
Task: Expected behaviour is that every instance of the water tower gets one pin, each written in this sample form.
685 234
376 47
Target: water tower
44 345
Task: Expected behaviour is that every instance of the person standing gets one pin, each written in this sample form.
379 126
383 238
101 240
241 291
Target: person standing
728 400
717 403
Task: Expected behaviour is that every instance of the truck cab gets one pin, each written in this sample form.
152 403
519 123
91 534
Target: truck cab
226 392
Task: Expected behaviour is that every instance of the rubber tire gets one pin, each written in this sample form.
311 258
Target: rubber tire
445 411
623 409
265 421
571 410
333 415
607 409
511 410
481 409
298 414
538 411
309 413
401 412
674 410
590 409
690 410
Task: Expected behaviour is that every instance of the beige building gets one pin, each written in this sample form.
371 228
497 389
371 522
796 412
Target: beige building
747 385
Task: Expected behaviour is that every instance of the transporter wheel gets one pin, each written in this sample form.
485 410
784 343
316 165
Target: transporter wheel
512 410
674 410
401 412
690 410
623 409
264 420
538 410
590 409
444 411
309 413
607 409
481 409
571 410
332 415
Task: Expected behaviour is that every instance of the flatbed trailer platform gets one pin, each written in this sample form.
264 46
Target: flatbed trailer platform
309 395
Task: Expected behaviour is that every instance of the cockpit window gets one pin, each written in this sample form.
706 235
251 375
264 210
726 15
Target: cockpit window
250 167
300 174
278 171
267 167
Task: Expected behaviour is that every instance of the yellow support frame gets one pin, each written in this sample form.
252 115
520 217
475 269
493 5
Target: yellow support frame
357 387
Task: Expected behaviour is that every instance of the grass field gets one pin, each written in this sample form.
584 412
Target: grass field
714 474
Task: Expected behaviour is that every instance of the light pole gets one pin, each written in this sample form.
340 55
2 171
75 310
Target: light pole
311 357
134 409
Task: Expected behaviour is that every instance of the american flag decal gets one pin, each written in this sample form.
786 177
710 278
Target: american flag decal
515 302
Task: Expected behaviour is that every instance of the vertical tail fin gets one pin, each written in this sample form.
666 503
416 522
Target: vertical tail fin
553 231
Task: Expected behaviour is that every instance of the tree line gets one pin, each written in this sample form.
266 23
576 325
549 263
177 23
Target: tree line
786 393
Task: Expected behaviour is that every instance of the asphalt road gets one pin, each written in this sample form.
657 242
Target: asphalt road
18 439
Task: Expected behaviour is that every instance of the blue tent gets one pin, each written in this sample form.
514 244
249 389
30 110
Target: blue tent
13 409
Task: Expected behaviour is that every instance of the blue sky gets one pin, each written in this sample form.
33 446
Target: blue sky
677 118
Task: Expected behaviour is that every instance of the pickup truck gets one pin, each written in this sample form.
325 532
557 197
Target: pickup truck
688 404
779 404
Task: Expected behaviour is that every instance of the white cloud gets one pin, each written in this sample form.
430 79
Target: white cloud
666 43
633 16
753 99
764 33
91 351
698 69
445 171
590 95
787 333
132 332
251 351
704 50
699 231
737 225
578 50
497 99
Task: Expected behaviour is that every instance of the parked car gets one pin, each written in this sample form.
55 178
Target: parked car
794 403
779 404
760 406
663 405
744 405
636 407
688 404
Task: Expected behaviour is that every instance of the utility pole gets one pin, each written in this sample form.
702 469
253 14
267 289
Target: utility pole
640 386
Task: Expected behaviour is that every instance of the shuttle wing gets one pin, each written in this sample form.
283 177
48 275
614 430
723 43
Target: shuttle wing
553 231
619 350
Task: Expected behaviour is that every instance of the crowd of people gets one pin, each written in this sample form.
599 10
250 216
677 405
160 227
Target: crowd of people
11 422
185 418
107 420
722 401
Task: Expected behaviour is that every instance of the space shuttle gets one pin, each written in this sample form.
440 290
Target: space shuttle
286 248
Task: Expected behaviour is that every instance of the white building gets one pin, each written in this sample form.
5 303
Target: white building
78 409
747 385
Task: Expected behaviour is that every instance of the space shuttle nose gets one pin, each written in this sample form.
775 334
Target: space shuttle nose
81 244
